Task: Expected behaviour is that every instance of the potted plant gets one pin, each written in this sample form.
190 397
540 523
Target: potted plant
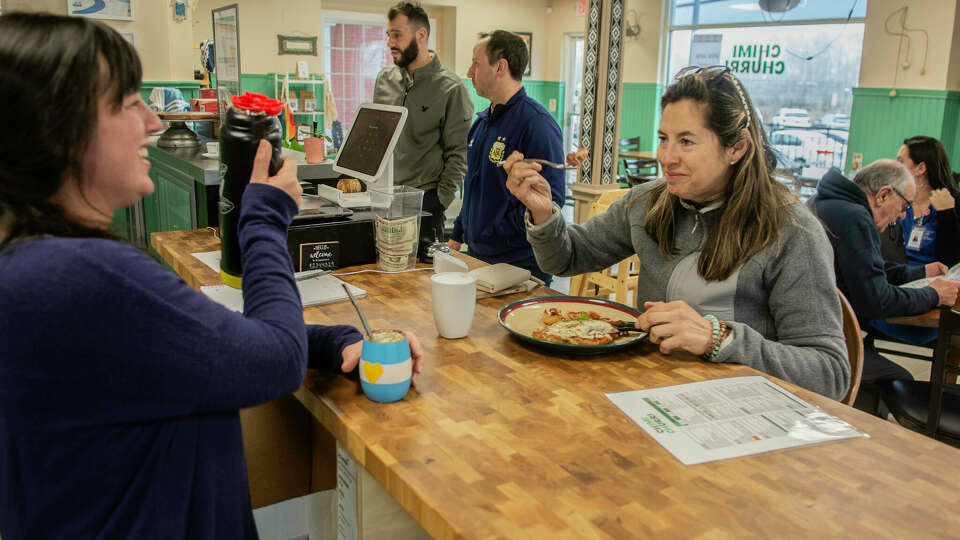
315 146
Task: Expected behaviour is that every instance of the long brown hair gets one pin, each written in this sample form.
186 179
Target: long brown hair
752 215
923 149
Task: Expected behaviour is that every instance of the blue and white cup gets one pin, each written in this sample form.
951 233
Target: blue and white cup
386 366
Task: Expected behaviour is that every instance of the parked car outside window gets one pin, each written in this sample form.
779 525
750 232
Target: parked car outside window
798 148
834 121
788 117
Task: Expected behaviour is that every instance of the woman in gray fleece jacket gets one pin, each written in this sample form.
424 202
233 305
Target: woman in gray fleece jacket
732 268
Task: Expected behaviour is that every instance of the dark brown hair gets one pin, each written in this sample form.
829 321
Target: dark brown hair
751 217
509 46
53 71
414 12
923 149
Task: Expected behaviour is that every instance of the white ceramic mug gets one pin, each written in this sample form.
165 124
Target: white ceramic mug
454 299
213 147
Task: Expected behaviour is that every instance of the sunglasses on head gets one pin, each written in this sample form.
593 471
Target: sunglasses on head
707 73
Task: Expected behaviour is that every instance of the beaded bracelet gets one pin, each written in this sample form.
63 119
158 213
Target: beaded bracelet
720 332
715 341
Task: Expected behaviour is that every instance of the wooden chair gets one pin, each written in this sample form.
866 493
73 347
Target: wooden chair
932 407
851 334
624 282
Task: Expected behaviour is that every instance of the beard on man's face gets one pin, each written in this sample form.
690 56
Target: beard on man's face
408 55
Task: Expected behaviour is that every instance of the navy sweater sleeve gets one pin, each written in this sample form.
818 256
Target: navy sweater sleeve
898 273
861 271
147 338
326 344
542 139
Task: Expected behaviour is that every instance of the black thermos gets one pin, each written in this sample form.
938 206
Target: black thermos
251 118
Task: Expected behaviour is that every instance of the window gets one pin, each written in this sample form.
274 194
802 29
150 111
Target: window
799 68
355 49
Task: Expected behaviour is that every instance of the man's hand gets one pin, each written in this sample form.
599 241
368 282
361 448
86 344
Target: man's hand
941 199
936 269
525 183
453 245
286 178
947 290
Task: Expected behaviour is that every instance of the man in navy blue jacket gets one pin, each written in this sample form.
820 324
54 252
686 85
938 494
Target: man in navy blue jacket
491 220
854 213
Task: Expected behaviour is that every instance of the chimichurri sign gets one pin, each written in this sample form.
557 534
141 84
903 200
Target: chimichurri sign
758 58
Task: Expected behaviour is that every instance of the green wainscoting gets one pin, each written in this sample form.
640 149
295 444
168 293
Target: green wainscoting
879 123
259 83
190 89
640 112
541 91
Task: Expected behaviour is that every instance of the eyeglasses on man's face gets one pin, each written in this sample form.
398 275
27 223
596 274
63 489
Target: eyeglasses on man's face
906 202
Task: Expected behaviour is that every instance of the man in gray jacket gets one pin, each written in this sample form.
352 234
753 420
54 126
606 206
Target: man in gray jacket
431 153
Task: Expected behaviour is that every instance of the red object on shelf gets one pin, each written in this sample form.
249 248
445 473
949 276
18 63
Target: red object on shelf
581 7
208 93
251 102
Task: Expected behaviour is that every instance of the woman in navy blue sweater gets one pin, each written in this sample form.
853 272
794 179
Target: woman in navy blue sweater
119 384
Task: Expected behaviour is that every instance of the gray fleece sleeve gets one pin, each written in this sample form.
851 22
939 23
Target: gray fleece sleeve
809 350
569 250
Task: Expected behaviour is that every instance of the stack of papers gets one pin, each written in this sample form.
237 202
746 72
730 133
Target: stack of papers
952 274
314 291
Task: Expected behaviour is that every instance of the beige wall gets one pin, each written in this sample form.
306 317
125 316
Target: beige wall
260 23
641 54
164 45
938 18
474 17
953 70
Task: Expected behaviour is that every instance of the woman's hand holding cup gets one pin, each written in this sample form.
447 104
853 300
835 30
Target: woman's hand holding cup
351 355
529 187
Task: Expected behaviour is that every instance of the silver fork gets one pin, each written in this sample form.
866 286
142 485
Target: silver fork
542 162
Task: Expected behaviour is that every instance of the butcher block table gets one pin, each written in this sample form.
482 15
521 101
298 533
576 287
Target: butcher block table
501 440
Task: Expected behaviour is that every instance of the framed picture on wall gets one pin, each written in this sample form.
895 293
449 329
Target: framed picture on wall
129 35
528 39
121 10
226 36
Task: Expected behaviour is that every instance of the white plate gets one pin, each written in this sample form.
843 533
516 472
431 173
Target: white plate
208 155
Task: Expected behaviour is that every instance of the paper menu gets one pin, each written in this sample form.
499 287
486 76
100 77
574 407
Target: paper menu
725 418
952 274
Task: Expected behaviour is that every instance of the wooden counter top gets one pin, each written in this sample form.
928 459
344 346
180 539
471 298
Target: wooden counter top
501 441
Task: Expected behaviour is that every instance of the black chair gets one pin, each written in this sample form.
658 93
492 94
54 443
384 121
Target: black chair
932 407
635 171
630 144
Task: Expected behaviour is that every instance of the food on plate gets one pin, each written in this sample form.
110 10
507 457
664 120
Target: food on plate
576 327
574 159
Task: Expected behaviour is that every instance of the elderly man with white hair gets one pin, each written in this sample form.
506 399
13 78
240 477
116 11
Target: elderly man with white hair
854 212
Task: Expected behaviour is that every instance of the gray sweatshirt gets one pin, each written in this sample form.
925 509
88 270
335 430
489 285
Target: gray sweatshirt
782 304
432 150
